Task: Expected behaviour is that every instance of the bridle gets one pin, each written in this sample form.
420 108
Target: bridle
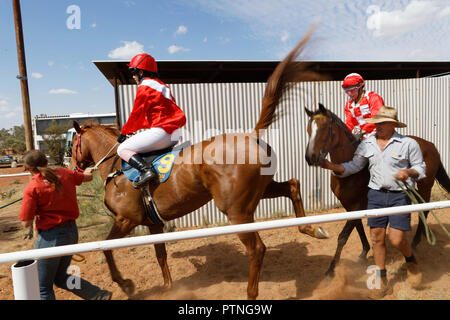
324 151
78 148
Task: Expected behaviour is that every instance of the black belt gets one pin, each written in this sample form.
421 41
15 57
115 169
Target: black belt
62 224
389 191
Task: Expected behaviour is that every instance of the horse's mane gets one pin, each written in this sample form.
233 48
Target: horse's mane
94 124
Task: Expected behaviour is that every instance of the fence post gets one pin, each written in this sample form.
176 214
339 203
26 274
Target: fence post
25 280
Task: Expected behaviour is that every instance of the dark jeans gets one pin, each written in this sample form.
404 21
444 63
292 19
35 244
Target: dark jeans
54 270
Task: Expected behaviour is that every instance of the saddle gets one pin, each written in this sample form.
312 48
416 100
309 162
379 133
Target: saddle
160 160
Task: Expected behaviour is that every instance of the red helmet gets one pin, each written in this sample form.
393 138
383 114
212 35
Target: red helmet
143 61
353 80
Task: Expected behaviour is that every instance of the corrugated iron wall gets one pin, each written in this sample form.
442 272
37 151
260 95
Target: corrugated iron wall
214 108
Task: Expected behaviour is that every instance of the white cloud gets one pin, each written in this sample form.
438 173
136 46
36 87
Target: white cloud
445 12
62 91
205 39
93 25
127 51
181 30
36 75
9 112
10 115
174 49
129 3
50 63
343 27
224 40
284 36
4 104
391 24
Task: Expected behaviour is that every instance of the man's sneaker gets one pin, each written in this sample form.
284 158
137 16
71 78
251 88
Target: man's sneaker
384 290
102 295
414 275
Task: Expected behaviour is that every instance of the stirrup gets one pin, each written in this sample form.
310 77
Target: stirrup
145 177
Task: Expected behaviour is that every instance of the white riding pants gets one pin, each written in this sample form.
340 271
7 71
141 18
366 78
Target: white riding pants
146 141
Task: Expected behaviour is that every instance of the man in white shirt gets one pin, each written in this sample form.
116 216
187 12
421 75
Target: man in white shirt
390 156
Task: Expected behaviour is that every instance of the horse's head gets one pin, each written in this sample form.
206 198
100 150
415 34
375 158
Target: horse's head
324 130
81 154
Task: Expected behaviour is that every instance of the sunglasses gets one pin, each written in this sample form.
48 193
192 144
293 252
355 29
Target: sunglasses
351 89
134 71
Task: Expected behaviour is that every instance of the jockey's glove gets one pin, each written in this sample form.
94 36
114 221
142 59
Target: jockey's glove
121 138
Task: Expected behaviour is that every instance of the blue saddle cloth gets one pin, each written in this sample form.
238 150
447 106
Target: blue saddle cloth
162 164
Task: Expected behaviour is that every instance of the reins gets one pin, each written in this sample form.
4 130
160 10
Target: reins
416 198
106 156
78 147
325 151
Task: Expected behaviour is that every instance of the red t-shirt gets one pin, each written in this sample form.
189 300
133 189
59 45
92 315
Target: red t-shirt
50 206
154 106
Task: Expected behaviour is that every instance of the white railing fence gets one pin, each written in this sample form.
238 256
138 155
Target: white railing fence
25 272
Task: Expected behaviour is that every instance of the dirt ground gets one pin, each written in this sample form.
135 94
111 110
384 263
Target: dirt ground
217 268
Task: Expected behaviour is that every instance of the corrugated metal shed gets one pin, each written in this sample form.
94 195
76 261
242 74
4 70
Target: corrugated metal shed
214 108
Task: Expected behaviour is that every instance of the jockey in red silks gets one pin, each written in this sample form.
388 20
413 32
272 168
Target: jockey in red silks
361 105
155 111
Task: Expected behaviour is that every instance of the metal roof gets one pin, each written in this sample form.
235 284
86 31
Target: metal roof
259 71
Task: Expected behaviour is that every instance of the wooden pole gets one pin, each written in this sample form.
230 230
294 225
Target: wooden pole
23 76
116 101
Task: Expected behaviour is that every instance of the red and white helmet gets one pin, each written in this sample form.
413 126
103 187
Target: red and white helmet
353 80
143 61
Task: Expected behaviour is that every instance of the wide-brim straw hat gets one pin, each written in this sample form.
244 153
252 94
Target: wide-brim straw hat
386 114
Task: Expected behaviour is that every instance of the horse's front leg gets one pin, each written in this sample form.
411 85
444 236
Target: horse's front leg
365 243
291 190
161 256
119 230
342 240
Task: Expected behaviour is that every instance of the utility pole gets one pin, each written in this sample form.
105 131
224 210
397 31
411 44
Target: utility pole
23 76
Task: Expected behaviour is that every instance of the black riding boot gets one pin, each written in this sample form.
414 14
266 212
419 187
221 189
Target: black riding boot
146 171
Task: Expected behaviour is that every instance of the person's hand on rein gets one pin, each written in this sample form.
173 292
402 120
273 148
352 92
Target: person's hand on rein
121 138
325 164
401 175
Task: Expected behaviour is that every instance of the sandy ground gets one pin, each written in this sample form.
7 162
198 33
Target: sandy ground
217 268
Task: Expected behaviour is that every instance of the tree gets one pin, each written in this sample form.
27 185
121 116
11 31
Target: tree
13 138
54 140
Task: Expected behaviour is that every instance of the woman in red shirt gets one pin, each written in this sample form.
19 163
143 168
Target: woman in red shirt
51 198
154 110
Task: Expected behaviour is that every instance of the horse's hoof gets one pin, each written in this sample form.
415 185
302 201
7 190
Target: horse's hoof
361 260
329 274
321 233
167 287
127 287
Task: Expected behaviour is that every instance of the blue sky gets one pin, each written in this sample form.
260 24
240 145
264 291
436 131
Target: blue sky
63 80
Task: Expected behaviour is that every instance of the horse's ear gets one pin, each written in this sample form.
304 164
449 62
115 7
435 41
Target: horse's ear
322 109
308 112
76 126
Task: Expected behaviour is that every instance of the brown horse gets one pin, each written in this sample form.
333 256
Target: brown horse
331 136
197 178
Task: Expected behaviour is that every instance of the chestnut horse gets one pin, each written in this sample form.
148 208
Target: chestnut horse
329 135
197 178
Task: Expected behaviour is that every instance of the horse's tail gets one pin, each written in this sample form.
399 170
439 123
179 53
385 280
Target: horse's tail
442 177
285 73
